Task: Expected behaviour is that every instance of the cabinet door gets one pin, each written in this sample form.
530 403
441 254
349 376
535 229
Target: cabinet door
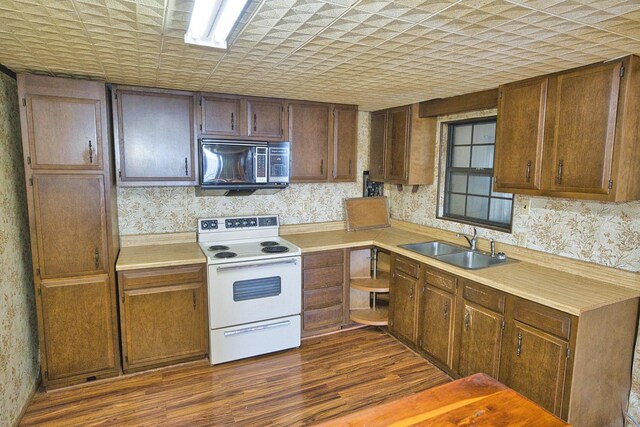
265 118
534 364
156 137
402 306
163 324
520 135
70 222
220 116
586 104
480 341
436 318
77 327
64 133
397 143
345 142
309 136
377 147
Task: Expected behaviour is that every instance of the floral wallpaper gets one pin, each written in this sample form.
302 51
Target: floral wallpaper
145 210
18 333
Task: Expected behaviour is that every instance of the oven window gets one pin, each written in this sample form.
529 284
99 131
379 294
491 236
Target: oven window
244 290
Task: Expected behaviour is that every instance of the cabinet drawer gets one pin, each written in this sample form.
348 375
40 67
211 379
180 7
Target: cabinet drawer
544 318
165 276
323 297
323 277
407 266
441 280
484 296
323 259
314 319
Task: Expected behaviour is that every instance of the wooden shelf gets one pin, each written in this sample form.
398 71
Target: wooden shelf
380 284
369 316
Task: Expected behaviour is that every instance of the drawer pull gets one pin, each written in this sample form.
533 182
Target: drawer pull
467 319
519 347
90 152
446 309
528 170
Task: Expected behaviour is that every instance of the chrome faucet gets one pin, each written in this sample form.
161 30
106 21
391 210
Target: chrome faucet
472 241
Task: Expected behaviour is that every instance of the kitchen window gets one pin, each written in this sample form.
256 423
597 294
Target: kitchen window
468 191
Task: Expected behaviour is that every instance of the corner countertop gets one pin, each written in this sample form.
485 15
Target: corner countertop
570 293
153 256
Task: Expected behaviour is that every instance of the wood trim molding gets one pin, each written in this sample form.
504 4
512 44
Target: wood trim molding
157 239
585 269
459 104
312 227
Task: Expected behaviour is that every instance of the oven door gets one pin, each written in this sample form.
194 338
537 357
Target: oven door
227 163
244 292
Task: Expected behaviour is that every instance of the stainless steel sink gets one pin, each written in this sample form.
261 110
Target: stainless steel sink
471 260
433 249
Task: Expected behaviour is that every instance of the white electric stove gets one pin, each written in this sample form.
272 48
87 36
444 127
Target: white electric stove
254 285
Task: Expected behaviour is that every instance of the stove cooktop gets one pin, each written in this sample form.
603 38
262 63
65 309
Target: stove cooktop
248 250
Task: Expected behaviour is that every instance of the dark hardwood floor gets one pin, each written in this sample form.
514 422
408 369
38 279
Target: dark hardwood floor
326 377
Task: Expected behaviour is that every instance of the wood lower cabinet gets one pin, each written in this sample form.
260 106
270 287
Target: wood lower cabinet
324 300
63 123
536 353
78 329
571 134
402 146
163 316
403 298
480 335
155 132
71 219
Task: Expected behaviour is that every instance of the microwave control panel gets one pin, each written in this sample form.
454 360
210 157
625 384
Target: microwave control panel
278 164
261 164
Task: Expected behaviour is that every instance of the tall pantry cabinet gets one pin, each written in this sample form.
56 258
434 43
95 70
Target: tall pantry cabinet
73 226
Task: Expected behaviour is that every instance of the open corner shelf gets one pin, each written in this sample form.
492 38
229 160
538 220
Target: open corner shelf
379 284
370 316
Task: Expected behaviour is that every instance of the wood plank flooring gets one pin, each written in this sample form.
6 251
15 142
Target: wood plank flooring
326 377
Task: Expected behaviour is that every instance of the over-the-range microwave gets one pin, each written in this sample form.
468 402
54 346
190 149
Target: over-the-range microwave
244 167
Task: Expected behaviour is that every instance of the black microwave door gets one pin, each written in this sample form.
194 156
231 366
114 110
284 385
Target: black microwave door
227 164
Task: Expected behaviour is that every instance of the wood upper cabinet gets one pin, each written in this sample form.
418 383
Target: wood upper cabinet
398 122
520 135
403 298
70 224
377 153
584 122
63 126
571 134
265 118
163 316
155 133
309 137
220 115
78 328
535 352
345 142
402 146
324 300
482 318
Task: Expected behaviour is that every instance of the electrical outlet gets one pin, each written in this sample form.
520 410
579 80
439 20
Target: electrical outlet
524 203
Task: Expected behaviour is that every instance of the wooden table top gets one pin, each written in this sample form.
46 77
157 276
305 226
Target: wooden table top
477 400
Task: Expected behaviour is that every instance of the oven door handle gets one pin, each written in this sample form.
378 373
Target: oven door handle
267 264
257 328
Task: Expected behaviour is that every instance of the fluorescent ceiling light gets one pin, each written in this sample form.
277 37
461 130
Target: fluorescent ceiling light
212 21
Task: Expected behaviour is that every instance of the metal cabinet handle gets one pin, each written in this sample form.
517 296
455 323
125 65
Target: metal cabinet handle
411 293
96 255
559 177
519 348
186 167
467 319
446 309
194 299
349 166
321 166
90 152
528 170
255 122
232 122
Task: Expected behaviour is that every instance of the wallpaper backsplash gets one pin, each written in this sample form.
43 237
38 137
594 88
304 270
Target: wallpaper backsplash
18 334
146 210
